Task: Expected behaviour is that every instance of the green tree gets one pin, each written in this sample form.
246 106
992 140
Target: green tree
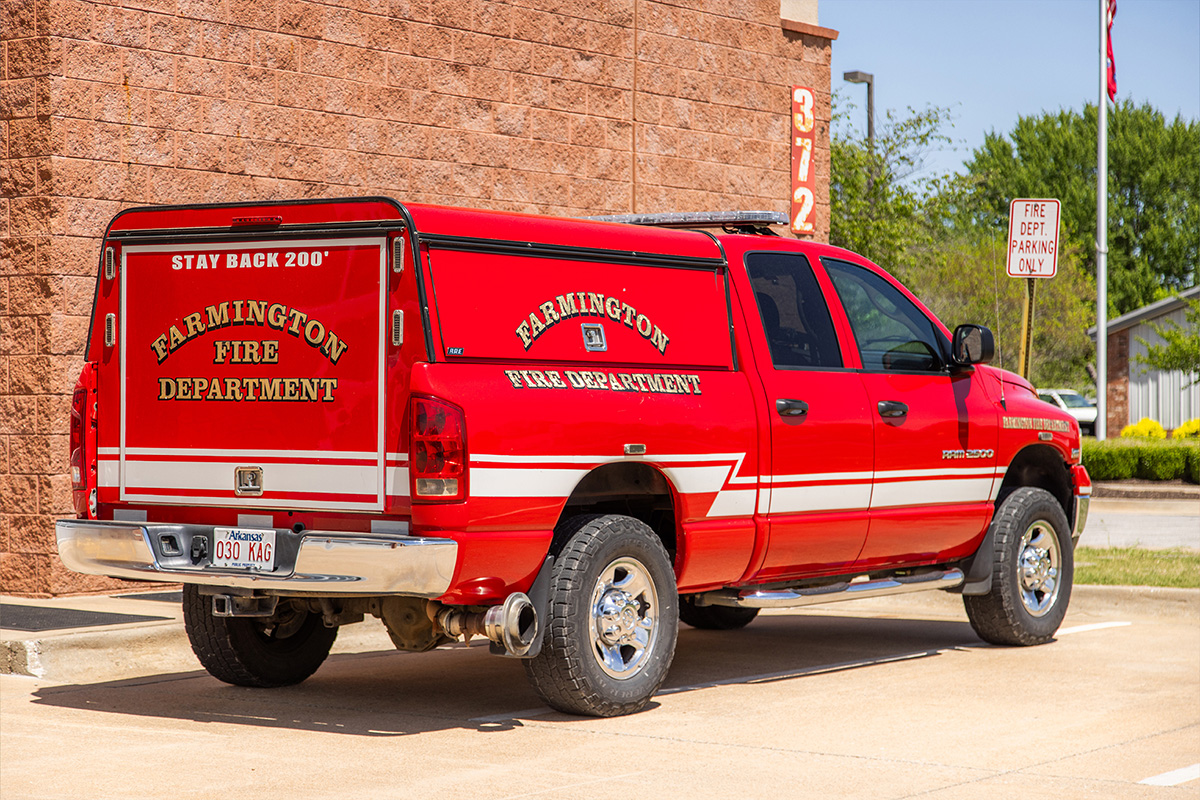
930 232
1153 193
1181 345
876 194
964 280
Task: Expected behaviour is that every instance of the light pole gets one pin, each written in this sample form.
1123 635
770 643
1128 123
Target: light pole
858 76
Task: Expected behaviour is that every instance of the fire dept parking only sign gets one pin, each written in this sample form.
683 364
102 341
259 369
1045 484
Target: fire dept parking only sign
1033 238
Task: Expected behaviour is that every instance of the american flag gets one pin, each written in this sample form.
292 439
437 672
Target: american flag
1112 64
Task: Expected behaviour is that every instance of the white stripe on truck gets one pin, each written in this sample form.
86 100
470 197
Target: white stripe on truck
553 476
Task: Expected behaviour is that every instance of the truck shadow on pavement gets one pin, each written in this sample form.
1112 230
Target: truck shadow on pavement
391 693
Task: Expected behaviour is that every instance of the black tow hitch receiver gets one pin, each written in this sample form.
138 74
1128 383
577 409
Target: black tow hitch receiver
199 549
231 605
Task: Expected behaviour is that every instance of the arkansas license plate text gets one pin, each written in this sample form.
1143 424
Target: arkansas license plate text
244 548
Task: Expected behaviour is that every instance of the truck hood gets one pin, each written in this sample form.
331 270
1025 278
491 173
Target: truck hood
1009 378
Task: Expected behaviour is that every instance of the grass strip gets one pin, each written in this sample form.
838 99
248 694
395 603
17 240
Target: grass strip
1137 566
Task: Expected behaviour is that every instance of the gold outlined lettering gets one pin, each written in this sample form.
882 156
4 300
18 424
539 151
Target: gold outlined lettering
250 312
588 304
645 382
286 390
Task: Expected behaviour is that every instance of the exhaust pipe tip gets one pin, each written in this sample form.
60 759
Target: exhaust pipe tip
514 625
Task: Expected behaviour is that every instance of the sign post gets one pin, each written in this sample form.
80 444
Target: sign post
1025 359
1032 254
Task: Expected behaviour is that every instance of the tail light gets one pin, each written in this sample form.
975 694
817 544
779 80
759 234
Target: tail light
83 457
437 462
77 412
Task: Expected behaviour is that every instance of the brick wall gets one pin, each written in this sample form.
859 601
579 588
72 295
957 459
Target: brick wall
1118 384
527 106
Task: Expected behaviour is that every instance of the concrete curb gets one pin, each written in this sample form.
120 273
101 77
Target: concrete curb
1129 490
135 650
120 652
1139 601
123 651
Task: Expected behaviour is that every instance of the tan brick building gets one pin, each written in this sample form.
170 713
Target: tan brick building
572 107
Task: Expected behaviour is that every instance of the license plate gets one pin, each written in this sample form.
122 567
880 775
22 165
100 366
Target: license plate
244 548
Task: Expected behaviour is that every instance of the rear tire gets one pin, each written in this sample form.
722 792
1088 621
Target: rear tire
714 618
1032 570
612 622
262 652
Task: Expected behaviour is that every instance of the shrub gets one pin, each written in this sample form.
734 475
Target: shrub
1188 430
1145 428
1120 459
1192 471
1110 460
1161 463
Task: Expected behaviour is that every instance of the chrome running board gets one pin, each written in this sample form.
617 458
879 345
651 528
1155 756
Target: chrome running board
846 590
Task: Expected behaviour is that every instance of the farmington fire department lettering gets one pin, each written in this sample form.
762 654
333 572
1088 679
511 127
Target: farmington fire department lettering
588 304
288 390
650 382
250 312
1037 424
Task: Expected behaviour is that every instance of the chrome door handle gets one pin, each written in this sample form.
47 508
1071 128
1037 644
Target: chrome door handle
891 409
791 408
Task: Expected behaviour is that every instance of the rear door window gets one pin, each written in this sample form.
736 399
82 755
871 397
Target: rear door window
794 315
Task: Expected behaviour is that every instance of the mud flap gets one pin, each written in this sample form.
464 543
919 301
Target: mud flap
978 568
539 595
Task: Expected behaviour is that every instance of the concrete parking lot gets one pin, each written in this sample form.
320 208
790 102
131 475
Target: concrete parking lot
886 698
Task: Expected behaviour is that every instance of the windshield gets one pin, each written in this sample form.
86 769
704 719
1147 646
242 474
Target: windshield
1073 400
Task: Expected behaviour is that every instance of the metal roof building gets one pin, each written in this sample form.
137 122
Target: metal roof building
1136 390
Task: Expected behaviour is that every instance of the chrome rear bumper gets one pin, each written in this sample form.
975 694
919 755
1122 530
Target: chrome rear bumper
324 562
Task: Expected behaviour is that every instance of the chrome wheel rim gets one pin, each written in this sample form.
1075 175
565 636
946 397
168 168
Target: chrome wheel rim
624 618
1038 568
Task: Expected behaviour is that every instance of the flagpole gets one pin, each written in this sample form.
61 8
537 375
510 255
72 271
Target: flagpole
1102 232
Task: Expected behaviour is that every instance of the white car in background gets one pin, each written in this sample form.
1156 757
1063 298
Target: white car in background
1074 404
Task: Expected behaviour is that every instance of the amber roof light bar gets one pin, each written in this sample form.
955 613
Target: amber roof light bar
699 219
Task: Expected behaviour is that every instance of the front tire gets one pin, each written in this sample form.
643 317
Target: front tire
261 652
1032 571
612 622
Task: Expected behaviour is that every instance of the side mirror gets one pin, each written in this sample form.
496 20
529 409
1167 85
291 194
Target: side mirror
973 344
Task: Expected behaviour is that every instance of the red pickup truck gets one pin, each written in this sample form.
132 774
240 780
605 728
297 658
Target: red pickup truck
563 435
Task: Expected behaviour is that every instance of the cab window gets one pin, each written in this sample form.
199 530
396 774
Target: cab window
892 334
794 314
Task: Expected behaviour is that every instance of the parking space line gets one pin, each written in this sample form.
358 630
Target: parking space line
559 789
742 679
796 673
525 714
238 716
1096 626
1175 777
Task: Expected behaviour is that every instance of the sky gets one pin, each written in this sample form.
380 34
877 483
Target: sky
992 61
